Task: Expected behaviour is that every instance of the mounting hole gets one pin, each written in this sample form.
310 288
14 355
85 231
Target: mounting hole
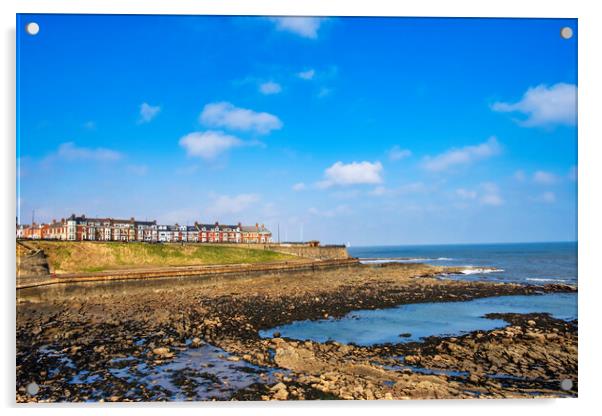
32 388
566 384
566 32
32 28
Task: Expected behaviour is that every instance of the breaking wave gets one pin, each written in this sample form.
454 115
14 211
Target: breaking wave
479 270
401 260
541 279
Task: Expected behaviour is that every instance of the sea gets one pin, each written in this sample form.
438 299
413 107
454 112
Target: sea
534 263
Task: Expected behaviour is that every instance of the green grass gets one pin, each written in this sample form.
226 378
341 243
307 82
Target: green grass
70 257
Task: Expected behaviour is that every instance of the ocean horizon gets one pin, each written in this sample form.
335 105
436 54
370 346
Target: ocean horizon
534 263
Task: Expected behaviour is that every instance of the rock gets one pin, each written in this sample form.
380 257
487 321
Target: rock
233 358
405 335
163 352
280 391
531 322
278 386
344 349
196 342
297 359
536 336
281 395
412 359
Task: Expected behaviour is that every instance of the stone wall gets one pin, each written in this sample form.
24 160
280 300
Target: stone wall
337 252
320 252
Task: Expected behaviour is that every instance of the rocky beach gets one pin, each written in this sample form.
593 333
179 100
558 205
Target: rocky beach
199 339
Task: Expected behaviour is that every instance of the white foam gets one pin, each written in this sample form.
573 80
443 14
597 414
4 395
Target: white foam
401 260
382 261
481 271
541 279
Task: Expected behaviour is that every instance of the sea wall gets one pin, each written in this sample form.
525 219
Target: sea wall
329 252
319 252
217 271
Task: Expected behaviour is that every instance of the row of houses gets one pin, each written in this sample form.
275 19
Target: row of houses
82 228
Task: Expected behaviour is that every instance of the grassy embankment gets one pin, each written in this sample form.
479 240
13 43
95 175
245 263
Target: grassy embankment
73 257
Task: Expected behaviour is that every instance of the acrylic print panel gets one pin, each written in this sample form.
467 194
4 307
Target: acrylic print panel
295 208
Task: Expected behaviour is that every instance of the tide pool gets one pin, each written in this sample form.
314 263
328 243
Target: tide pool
419 320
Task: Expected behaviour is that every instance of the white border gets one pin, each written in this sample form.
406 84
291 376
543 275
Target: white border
590 150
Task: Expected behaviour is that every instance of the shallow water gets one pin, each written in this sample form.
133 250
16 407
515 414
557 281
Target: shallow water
207 368
419 320
202 373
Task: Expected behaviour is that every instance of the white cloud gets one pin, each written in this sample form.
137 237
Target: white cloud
224 114
520 176
270 88
70 151
545 106
307 75
466 193
324 92
487 193
306 27
463 156
490 194
544 178
408 188
547 197
148 112
397 153
355 173
90 125
299 186
492 199
139 170
226 204
209 144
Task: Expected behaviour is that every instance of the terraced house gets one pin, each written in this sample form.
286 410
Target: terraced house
82 228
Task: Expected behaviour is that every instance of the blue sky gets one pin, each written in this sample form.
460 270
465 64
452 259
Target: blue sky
362 130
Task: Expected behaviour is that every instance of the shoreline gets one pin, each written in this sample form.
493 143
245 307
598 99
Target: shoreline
153 325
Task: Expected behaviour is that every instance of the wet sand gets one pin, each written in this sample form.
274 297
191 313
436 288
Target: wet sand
105 341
